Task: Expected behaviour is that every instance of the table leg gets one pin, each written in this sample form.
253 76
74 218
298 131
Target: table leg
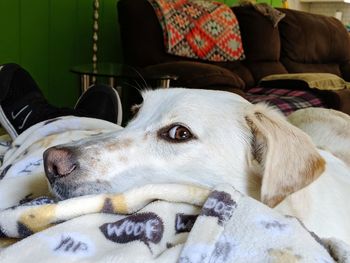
85 82
164 83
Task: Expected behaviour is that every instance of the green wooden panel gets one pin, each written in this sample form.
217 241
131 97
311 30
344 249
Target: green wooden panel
48 37
83 40
63 85
34 44
9 37
276 3
109 44
231 2
264 1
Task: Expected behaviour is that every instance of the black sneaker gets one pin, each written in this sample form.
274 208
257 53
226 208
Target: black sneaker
22 103
100 102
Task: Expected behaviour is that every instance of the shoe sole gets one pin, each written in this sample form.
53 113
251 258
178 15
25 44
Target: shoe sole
119 106
120 109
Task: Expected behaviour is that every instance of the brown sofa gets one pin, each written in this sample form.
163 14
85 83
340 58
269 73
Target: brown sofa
302 42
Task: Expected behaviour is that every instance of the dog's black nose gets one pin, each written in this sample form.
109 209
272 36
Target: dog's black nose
59 162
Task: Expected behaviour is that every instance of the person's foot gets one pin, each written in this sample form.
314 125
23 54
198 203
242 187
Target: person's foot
22 104
100 102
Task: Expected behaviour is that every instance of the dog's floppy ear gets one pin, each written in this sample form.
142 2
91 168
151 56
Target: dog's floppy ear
288 158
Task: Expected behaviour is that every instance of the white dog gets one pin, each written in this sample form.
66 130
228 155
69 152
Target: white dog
207 138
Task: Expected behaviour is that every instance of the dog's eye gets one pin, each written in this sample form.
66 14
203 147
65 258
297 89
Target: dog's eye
176 133
179 133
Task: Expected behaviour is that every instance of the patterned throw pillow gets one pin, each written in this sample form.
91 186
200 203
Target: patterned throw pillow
199 29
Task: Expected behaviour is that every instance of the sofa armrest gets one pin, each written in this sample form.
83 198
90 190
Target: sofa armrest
341 100
345 71
197 75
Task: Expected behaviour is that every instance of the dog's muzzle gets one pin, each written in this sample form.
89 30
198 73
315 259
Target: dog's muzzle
59 162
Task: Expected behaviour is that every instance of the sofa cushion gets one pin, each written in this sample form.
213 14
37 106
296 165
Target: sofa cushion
341 100
297 67
260 69
197 75
261 43
240 69
345 70
313 38
261 40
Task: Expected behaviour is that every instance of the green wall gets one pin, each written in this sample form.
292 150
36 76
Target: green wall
48 37
274 3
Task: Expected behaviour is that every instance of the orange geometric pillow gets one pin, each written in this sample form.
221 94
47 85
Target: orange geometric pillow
199 29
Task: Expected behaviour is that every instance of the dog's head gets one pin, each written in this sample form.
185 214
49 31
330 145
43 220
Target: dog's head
194 137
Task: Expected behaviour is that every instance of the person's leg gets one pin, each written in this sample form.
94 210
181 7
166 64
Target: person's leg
22 104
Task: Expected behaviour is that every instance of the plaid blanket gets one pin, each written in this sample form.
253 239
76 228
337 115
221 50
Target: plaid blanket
285 100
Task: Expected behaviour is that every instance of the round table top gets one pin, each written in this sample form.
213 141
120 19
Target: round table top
107 69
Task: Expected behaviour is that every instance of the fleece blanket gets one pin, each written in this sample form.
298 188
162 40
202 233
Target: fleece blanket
152 223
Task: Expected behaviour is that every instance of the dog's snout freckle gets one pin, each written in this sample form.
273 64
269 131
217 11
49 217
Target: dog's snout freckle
146 136
126 143
123 159
95 159
122 144
113 146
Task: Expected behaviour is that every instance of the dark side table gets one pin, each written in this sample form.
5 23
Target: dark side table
113 72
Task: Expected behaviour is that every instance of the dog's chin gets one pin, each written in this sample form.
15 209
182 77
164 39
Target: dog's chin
63 190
